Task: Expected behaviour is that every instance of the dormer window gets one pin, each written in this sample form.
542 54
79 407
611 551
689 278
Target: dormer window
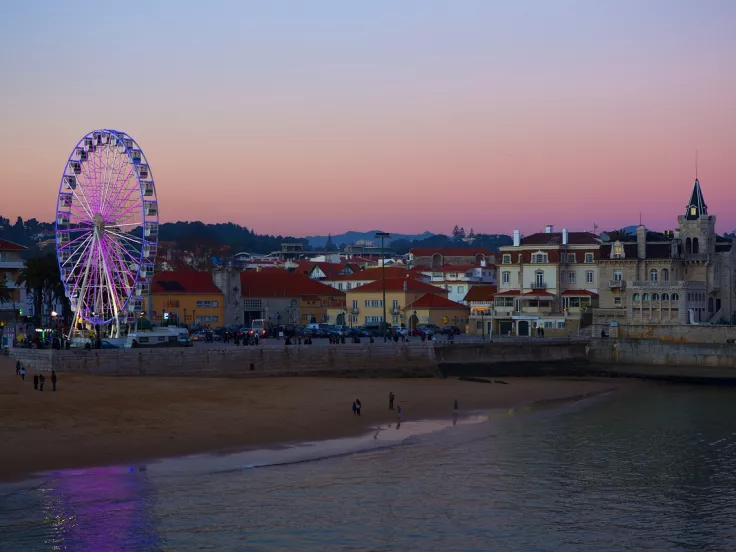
588 258
539 258
506 259
571 258
693 210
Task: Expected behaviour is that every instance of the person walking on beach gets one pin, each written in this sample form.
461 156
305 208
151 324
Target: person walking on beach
17 367
357 405
355 408
53 380
35 381
22 373
41 381
391 397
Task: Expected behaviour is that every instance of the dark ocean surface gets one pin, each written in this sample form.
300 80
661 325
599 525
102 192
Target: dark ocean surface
651 468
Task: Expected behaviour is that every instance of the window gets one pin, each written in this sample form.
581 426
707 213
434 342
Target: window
373 319
449 289
252 304
395 320
617 252
453 274
348 285
588 258
645 297
653 275
539 258
617 301
560 324
588 276
395 304
539 279
207 304
506 258
461 289
665 275
665 297
618 275
571 258
655 296
636 297
506 277
207 318
570 277
339 286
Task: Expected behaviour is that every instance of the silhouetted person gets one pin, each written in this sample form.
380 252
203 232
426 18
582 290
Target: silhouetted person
22 373
358 405
53 380
35 381
603 333
355 408
17 367
41 381
391 397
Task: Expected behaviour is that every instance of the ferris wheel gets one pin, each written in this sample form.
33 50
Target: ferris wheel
106 229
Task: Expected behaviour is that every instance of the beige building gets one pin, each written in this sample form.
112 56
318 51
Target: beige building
681 277
435 257
547 280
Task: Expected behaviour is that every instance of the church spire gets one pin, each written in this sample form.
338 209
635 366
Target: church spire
697 207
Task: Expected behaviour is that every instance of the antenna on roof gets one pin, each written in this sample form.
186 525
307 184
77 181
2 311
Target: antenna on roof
696 163
639 218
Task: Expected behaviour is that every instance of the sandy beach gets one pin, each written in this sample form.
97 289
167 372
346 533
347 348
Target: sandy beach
95 420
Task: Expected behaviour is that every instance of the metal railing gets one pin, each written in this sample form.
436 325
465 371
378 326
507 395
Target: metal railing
538 285
617 284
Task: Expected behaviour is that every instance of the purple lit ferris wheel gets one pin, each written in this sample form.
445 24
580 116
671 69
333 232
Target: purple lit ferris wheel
106 229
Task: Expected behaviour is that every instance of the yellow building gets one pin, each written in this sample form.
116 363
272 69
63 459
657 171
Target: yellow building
437 310
364 304
186 297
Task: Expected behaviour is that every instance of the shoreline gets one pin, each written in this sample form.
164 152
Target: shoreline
101 421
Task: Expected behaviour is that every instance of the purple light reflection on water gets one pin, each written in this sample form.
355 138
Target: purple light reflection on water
101 509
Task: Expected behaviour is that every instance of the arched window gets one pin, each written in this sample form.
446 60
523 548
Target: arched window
539 279
665 275
688 246
655 296
436 260
695 245
653 275
665 297
645 297
675 297
636 297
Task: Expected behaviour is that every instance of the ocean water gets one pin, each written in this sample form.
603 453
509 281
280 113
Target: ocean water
647 469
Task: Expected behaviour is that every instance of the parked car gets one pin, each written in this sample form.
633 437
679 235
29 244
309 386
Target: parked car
401 331
451 330
429 329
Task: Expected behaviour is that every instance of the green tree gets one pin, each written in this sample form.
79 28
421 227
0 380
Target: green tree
42 280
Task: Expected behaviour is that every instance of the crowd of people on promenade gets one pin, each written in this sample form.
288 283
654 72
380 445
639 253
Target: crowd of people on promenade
39 380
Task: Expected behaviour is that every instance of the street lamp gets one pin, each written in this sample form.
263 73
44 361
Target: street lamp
383 236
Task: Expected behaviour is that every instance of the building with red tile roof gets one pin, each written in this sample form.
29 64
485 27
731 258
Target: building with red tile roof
436 309
186 297
438 256
281 297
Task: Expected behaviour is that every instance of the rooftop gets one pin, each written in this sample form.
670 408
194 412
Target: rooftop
434 301
555 238
397 284
480 293
183 281
6 245
275 282
376 273
451 251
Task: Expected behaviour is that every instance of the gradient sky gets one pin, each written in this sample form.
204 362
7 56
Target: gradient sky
323 116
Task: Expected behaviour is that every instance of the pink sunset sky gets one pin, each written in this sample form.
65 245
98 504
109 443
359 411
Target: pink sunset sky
308 118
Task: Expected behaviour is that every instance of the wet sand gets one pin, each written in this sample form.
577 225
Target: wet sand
96 420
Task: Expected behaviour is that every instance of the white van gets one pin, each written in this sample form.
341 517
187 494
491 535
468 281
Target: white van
165 337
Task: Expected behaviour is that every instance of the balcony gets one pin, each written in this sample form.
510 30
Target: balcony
617 284
355 310
12 264
395 310
538 285
648 284
697 257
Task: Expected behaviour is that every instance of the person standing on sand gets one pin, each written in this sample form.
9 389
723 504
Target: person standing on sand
41 381
35 381
53 380
17 367
391 397
358 405
355 408
22 373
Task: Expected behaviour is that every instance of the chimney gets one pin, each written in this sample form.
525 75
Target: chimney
641 242
548 229
564 236
517 238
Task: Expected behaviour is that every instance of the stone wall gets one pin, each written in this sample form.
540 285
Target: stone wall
660 352
400 360
687 333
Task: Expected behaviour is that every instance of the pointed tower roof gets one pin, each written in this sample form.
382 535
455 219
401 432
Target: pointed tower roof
697 207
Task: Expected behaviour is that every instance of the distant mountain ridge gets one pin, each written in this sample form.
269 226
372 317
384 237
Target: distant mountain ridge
351 236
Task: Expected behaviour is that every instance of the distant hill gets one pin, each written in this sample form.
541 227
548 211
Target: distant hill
318 242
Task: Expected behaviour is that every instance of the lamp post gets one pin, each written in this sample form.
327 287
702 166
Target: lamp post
482 325
383 236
